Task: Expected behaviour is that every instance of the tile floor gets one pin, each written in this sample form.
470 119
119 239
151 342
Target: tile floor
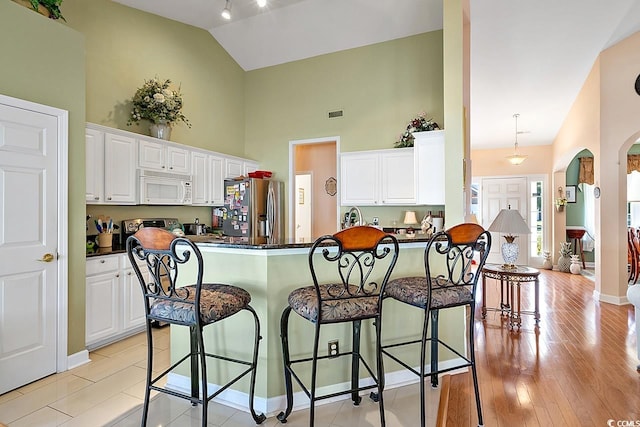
109 391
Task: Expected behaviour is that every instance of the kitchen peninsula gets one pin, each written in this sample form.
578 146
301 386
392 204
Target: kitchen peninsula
269 272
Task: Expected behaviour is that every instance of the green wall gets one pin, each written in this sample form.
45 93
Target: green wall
43 62
380 88
575 211
125 46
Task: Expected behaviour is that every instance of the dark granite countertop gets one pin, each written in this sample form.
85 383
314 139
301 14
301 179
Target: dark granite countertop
242 243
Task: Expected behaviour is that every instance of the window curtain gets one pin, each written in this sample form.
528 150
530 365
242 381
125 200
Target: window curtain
589 238
586 175
633 163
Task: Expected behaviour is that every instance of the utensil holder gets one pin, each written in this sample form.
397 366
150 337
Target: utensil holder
105 240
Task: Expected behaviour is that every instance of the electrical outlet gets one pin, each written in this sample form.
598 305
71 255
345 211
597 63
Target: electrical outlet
333 348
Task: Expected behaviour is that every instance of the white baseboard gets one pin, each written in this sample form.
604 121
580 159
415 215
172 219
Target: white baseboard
611 299
78 359
274 405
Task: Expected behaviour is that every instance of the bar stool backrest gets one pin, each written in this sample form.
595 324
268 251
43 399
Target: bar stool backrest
363 258
449 256
162 254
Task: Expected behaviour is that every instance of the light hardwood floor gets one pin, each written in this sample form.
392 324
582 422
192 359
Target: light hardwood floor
577 369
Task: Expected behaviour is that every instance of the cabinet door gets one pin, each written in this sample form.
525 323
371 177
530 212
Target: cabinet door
133 312
178 160
233 168
216 180
102 306
200 179
359 183
151 155
94 161
398 179
119 169
249 166
429 161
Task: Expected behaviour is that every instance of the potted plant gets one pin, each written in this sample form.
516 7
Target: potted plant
50 8
420 123
158 104
561 202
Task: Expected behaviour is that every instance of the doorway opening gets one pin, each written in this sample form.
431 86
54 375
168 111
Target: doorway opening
313 197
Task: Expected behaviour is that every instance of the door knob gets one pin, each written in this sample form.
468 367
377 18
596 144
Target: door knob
47 258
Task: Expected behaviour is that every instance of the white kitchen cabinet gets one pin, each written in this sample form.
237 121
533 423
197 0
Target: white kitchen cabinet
111 167
233 167
119 169
208 179
429 165
94 161
248 166
114 302
359 183
377 178
155 154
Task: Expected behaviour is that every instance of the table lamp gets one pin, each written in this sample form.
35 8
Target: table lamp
509 222
410 219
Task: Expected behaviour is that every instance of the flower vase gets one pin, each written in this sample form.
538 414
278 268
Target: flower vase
574 267
547 264
560 208
160 130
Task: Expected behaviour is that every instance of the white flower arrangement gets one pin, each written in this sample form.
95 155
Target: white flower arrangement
156 102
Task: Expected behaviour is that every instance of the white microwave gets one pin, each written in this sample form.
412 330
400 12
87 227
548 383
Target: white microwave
158 188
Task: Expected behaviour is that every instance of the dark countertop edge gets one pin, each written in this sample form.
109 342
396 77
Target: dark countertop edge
120 249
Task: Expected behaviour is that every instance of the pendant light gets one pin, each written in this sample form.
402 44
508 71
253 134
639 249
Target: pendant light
262 3
226 12
516 159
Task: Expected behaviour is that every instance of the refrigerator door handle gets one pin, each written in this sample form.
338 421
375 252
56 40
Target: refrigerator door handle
271 205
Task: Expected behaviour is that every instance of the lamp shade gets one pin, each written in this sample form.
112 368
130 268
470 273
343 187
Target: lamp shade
471 218
410 218
509 222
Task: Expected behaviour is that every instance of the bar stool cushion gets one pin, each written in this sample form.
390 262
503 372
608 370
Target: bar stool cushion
304 301
217 302
415 291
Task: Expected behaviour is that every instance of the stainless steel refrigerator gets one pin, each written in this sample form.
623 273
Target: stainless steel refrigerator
254 209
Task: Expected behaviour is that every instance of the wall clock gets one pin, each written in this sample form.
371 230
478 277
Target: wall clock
638 85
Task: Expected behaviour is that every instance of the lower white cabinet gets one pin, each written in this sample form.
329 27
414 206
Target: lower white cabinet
114 302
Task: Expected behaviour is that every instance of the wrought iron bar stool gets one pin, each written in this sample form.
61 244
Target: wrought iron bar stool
197 305
450 281
357 263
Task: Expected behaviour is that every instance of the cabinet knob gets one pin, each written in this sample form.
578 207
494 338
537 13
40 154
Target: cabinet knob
96 198
101 261
170 167
162 167
117 274
109 198
129 273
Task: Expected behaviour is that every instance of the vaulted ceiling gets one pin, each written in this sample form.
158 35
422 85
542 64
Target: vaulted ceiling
527 57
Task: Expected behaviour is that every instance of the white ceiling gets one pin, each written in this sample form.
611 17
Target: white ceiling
527 57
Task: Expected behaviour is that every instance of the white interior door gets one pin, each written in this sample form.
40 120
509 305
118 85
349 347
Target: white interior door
502 193
28 245
304 207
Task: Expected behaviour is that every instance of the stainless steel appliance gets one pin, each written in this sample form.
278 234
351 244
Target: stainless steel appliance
254 209
130 226
159 188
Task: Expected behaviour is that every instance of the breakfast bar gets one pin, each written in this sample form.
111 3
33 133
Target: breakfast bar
269 272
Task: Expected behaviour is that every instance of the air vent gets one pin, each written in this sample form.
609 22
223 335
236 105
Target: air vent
335 114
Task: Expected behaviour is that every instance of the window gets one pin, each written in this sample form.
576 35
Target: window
537 224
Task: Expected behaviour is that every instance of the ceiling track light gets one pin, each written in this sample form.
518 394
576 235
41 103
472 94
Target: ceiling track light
516 159
226 12
261 3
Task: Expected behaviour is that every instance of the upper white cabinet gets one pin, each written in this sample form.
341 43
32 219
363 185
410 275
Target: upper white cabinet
360 181
399 176
208 179
111 167
94 160
429 166
233 167
119 169
378 177
165 157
